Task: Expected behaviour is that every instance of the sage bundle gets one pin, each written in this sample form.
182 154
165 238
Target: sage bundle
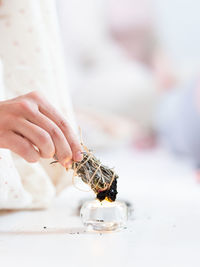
101 179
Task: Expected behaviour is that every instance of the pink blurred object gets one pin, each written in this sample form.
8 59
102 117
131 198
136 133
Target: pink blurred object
197 176
130 13
144 141
131 24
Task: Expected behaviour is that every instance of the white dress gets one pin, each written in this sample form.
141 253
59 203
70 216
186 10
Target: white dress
31 53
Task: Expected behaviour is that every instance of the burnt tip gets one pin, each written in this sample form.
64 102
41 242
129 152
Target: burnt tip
109 194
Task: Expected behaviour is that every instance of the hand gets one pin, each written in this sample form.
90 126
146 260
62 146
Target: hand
31 127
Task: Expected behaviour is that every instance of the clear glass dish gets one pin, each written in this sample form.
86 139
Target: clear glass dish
104 216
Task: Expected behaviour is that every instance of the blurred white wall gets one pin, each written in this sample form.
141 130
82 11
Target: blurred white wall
102 76
178 24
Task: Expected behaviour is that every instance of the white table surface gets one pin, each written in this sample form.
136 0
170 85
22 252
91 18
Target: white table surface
164 230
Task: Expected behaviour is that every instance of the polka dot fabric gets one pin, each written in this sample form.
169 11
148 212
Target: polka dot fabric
32 57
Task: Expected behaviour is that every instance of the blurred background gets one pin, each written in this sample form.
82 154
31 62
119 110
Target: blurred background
133 68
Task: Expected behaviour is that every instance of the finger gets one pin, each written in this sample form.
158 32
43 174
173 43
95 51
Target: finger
62 149
37 136
49 111
21 146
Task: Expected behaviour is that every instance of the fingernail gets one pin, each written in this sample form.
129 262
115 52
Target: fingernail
65 162
78 156
68 166
55 157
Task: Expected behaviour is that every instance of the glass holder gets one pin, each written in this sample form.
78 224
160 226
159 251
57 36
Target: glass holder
104 216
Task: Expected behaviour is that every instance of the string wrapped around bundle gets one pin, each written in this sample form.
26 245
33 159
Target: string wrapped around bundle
101 179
